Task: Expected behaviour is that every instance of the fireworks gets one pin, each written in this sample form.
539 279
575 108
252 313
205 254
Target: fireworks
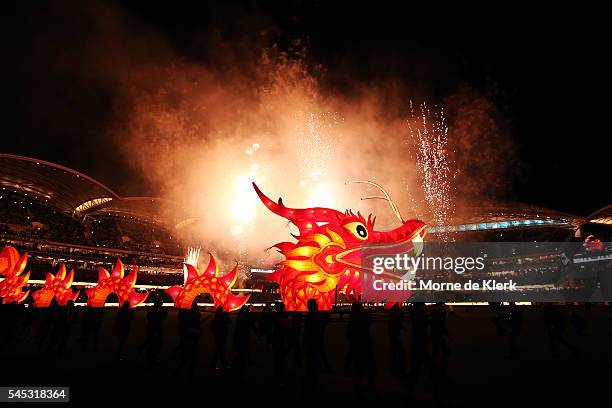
242 210
193 255
318 142
429 133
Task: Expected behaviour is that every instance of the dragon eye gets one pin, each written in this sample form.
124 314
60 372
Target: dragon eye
358 230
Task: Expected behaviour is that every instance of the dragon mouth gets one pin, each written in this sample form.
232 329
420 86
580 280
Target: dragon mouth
361 257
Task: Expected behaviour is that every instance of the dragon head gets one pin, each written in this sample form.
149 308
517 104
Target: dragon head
330 249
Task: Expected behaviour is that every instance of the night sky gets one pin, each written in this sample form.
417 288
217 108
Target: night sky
541 68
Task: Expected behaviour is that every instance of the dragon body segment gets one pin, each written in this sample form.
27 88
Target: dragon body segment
12 266
58 287
210 281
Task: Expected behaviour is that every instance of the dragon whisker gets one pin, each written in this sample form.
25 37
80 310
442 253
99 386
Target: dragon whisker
386 197
392 203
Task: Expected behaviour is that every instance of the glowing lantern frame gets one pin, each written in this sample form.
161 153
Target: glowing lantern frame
58 287
116 283
12 266
210 281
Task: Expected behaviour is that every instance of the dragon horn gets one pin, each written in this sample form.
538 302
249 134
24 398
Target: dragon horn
174 291
234 302
21 264
49 278
8 258
136 298
61 274
23 296
68 281
229 279
212 270
277 208
118 270
102 274
316 214
192 272
131 278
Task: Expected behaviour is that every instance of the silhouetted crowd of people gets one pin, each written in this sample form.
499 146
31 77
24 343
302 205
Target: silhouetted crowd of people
294 338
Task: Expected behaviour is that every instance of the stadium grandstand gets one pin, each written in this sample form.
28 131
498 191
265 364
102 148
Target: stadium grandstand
61 215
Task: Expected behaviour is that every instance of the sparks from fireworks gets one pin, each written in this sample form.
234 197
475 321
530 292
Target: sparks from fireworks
242 210
318 143
193 255
429 133
192 258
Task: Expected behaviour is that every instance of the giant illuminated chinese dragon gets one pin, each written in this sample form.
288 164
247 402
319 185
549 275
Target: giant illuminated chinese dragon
329 250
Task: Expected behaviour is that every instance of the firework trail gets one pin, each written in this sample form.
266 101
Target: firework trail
318 142
192 258
429 134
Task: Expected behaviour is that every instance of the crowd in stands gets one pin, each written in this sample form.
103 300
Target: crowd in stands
27 217
114 231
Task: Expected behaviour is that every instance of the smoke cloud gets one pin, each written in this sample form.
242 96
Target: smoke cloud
199 131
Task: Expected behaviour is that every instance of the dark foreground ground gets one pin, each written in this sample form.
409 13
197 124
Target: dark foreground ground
480 372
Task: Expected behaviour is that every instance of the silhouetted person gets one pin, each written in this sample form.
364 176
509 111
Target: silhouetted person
45 327
266 321
98 318
555 326
360 347
3 317
10 323
123 322
440 338
87 324
59 324
154 331
577 323
30 318
515 320
219 327
395 328
189 351
280 333
295 334
242 340
314 330
497 316
419 353
340 311
183 328
66 320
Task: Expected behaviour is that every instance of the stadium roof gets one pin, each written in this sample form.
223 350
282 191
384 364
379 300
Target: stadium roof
601 216
150 209
58 186
77 194
505 211
503 215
